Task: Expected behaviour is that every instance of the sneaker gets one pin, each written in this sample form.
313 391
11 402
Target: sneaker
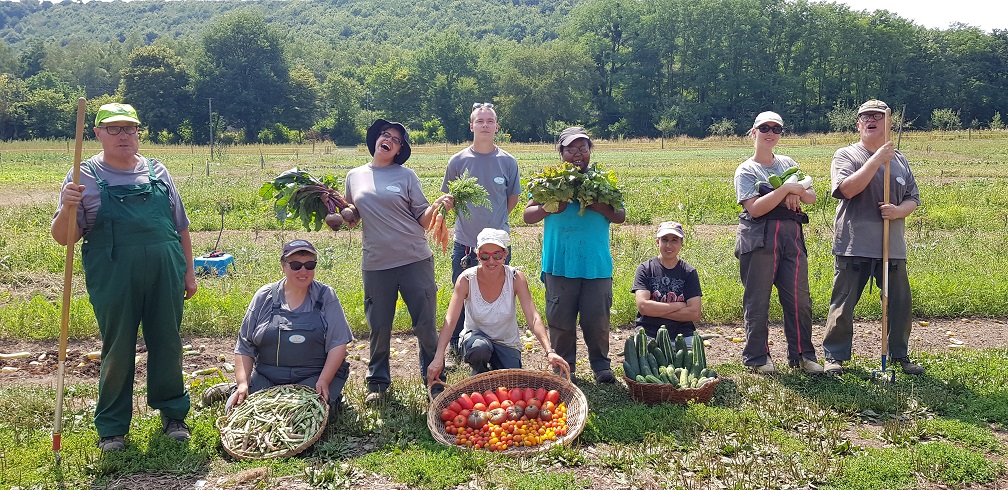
374 398
833 367
767 368
175 428
810 366
909 367
605 376
112 443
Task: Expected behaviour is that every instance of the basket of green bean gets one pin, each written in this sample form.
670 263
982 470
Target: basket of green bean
277 422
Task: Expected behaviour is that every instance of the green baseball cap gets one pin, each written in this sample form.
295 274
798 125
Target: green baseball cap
116 112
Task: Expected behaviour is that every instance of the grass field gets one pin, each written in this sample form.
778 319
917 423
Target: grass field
946 429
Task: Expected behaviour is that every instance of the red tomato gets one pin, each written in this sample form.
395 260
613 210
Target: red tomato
532 411
465 412
553 396
494 404
480 406
515 395
465 401
459 421
502 394
454 406
448 414
476 397
541 394
549 406
489 397
506 403
528 394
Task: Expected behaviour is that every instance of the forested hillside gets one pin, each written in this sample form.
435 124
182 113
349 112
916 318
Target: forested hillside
276 70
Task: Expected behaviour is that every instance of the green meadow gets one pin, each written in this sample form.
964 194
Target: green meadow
945 429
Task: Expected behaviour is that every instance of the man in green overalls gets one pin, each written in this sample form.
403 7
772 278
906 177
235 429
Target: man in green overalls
138 268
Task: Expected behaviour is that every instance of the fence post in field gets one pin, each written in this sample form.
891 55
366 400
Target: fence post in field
207 168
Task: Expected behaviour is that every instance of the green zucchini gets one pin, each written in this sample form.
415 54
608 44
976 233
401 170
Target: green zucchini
787 173
651 379
684 378
699 353
640 379
641 344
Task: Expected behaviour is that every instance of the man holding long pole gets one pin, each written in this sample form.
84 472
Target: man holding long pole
138 268
858 181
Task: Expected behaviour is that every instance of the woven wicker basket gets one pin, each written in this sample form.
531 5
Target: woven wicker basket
654 393
577 404
223 422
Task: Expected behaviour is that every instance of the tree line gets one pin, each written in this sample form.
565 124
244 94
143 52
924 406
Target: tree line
266 72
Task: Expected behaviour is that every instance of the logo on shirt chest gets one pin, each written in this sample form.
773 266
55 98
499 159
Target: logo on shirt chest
393 188
499 180
297 339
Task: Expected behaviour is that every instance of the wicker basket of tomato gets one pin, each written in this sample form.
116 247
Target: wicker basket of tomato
512 411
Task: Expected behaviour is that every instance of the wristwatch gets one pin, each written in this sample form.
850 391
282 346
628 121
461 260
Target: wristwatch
551 351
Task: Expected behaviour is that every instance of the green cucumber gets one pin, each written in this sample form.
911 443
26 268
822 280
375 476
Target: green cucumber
659 356
652 379
630 354
629 370
680 342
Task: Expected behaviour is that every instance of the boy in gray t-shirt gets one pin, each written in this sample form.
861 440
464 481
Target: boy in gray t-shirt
497 171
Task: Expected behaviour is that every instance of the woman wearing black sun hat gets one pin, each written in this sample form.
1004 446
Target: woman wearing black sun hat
397 260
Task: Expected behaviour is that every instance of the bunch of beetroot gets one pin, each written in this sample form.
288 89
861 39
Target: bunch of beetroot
296 194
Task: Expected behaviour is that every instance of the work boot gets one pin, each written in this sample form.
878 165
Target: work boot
605 376
218 393
112 444
909 367
766 368
175 428
833 367
809 366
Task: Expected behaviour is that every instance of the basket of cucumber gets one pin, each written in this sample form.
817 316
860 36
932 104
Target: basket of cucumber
661 370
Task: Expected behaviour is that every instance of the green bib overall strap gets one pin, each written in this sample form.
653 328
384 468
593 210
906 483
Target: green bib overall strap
134 272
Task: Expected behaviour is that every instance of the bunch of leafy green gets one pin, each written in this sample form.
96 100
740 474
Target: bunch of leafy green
466 190
554 185
296 194
599 186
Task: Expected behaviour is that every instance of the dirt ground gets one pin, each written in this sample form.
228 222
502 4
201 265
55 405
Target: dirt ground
38 367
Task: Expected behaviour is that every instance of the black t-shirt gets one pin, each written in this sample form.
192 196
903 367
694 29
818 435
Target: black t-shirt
666 286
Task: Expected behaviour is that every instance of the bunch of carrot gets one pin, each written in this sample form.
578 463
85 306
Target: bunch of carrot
438 229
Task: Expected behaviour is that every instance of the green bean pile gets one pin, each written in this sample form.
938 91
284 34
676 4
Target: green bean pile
273 422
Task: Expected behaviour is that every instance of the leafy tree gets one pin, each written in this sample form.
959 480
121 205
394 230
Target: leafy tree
723 128
8 61
945 120
12 109
996 123
539 85
340 104
448 64
394 89
666 126
302 107
243 70
30 63
54 115
156 83
842 118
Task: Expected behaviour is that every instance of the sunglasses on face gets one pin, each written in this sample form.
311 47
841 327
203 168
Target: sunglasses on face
296 265
871 116
496 255
395 139
482 105
114 130
766 128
